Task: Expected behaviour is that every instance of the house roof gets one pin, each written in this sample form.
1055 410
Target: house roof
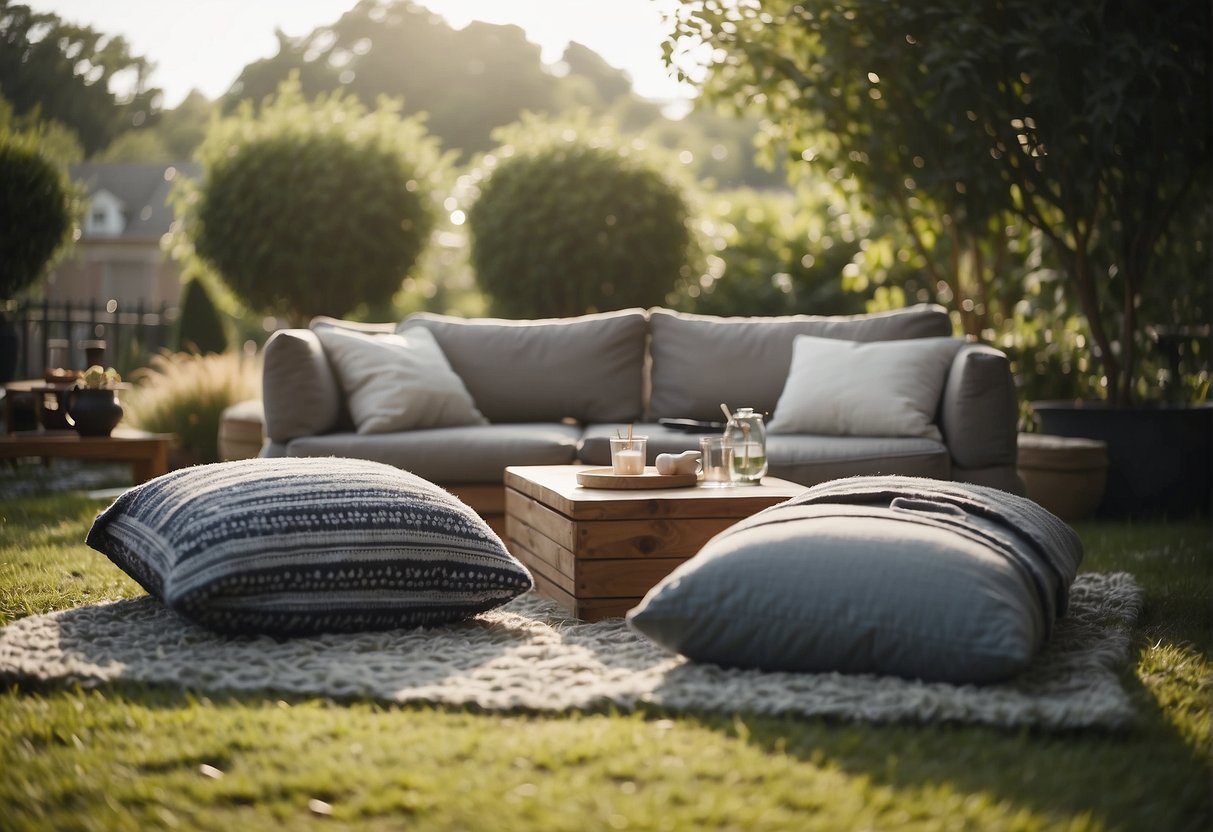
141 187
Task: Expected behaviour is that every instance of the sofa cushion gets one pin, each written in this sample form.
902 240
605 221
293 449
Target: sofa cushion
979 412
397 382
585 368
478 453
810 460
848 388
300 394
366 328
747 359
887 575
298 546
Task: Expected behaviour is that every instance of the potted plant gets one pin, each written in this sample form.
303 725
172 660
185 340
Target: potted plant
93 408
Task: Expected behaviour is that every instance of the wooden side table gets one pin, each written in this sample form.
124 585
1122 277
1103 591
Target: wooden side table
147 453
597 551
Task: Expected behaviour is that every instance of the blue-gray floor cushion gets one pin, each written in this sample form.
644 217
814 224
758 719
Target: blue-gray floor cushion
906 576
294 546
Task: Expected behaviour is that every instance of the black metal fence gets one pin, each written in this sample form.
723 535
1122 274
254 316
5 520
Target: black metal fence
57 334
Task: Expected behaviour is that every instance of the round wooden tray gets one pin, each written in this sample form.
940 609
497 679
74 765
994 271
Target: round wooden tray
606 478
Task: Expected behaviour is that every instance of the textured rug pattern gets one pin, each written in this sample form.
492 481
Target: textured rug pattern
528 656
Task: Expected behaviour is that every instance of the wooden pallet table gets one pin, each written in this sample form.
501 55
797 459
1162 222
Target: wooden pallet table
147 453
598 551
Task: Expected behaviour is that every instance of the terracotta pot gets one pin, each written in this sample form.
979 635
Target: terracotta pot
93 412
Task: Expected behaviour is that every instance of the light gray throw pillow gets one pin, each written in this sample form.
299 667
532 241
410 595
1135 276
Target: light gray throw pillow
847 388
397 382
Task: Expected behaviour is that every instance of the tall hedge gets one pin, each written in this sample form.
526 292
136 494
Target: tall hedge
572 227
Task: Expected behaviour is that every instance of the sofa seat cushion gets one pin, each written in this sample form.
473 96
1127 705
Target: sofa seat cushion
889 575
585 368
476 453
301 546
804 459
810 460
701 360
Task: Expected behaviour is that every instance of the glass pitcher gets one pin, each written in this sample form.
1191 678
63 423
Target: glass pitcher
748 436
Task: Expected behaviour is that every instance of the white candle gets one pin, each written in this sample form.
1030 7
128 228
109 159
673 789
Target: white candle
628 463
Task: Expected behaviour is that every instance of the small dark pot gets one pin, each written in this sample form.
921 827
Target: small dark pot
1160 459
10 344
93 412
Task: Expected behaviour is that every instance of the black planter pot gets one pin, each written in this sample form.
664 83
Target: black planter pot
94 412
1160 459
10 343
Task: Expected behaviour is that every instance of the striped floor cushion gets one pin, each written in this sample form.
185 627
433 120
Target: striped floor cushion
306 545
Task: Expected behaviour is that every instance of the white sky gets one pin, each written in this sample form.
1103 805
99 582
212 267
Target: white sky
203 44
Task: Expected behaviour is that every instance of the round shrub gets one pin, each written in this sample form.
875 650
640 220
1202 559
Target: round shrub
35 213
572 228
311 223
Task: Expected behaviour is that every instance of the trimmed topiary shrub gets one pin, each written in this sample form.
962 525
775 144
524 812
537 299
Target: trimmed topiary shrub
200 329
569 227
312 208
35 213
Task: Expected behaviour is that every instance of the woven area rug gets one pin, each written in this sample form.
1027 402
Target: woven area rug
528 656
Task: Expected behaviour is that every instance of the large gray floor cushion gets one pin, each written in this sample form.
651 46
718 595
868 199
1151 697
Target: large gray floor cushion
906 576
298 546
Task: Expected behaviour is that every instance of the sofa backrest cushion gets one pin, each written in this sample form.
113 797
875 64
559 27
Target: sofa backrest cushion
589 368
700 361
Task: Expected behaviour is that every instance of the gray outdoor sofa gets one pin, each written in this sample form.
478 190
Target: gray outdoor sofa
553 391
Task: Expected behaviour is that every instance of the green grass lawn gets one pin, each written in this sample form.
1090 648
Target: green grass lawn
139 757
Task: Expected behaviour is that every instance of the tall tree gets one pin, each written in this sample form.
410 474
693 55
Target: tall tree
63 72
1088 121
468 81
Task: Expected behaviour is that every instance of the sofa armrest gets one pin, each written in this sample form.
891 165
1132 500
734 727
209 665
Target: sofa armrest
979 413
298 388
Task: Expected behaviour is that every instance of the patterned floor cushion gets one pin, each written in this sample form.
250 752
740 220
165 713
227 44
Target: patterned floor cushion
295 546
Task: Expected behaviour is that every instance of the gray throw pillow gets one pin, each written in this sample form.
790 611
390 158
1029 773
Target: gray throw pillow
397 382
296 546
889 575
847 388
